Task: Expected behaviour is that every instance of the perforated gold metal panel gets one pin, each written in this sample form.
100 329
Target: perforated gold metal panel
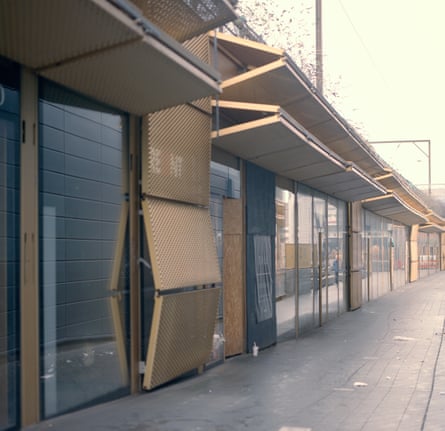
181 244
200 47
140 77
185 19
176 154
181 334
39 33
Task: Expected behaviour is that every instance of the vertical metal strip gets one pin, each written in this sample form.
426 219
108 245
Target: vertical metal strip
29 274
326 267
135 295
391 275
243 187
153 342
320 279
296 263
368 267
116 297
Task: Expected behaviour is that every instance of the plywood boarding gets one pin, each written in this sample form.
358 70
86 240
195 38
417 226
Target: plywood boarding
305 255
233 270
356 217
181 334
355 259
356 290
290 256
233 217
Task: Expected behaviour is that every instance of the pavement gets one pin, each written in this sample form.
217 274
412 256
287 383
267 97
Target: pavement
381 367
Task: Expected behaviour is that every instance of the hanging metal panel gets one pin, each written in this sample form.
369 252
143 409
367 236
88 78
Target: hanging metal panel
280 144
139 77
200 47
181 334
176 157
281 82
181 243
44 32
111 54
246 52
186 19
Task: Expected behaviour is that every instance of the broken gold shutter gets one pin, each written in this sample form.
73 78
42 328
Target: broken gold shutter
175 199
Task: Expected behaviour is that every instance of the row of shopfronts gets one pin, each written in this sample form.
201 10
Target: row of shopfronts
154 223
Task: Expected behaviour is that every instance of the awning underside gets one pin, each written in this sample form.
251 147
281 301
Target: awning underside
391 206
392 183
279 144
431 228
100 51
246 52
280 83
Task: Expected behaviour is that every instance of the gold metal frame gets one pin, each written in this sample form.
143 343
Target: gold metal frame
181 334
29 245
116 297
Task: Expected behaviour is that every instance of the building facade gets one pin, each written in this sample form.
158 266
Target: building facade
170 197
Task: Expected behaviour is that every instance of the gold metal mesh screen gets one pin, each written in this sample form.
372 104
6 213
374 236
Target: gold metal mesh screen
39 33
181 334
181 244
200 47
185 19
176 154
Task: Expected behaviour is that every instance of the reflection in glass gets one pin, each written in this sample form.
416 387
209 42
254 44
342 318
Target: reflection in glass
9 242
83 271
285 283
322 250
320 256
335 261
307 313
428 249
400 255
385 262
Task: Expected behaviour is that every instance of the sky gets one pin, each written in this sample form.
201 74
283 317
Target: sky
385 61
389 55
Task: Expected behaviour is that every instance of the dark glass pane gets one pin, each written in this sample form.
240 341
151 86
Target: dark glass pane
83 252
9 242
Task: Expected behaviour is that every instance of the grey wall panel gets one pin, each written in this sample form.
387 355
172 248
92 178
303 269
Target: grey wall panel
260 196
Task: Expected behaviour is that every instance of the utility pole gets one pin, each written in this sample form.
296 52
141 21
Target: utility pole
318 47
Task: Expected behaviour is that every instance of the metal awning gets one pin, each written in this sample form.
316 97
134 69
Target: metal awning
392 182
393 207
246 53
110 54
436 219
184 19
280 144
431 228
281 82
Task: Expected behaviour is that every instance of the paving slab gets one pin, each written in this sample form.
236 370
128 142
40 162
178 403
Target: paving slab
381 367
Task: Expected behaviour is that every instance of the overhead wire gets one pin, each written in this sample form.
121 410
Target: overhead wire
366 49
